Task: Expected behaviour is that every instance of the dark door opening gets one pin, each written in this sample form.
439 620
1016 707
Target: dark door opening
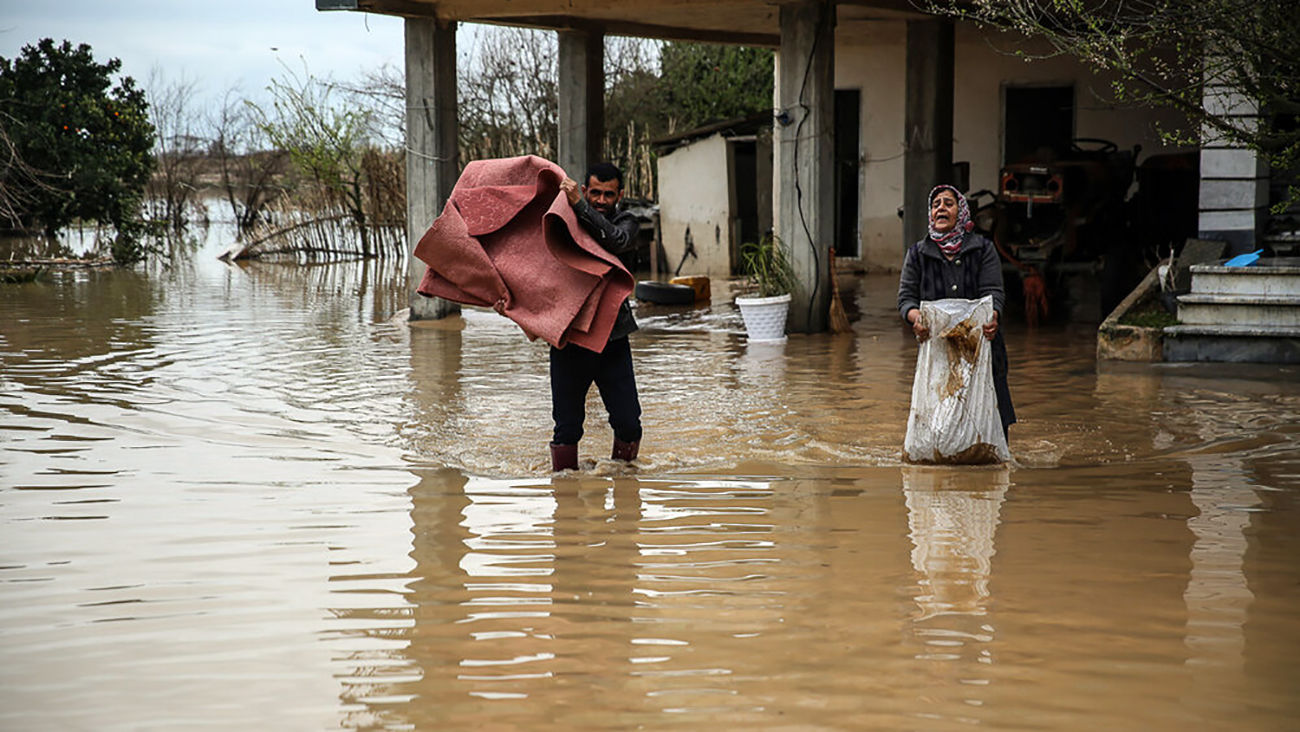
744 204
848 106
1038 123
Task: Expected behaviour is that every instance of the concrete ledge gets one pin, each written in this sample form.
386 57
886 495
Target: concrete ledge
1185 343
1269 277
1235 331
1222 298
1119 342
1271 265
1242 310
1130 343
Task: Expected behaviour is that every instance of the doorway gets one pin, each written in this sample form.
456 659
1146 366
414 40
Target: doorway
848 113
744 195
1038 123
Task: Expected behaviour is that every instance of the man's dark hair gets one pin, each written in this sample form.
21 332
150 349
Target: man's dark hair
603 172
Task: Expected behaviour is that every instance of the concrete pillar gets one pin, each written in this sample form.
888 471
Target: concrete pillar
804 185
927 159
581 63
432 160
1234 180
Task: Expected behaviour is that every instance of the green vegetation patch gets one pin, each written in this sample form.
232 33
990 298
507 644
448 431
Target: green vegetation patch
1148 313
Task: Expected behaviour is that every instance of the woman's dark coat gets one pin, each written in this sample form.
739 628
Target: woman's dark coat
974 272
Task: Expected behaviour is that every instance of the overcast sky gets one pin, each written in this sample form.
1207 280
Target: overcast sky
215 43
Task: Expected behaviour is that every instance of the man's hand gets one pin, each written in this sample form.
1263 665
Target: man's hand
918 326
991 327
572 190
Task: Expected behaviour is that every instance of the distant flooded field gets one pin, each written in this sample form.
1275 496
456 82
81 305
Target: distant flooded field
247 497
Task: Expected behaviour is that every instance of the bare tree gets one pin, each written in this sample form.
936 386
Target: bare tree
325 139
508 94
17 180
633 112
508 99
383 92
249 172
173 190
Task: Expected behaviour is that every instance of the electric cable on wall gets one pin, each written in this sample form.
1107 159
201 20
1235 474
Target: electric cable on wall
798 188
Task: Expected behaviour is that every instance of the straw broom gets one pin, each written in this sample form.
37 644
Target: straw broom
839 319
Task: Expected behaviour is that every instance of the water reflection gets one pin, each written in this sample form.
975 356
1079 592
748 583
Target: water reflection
952 517
547 591
243 496
1225 497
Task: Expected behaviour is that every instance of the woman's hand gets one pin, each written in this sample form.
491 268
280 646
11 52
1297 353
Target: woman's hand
991 327
918 326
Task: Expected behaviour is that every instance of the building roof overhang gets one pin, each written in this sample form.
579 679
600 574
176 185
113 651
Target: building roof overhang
737 127
744 22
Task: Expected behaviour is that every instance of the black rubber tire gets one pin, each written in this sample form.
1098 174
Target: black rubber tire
663 293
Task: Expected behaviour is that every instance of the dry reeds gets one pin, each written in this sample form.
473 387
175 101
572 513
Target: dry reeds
320 222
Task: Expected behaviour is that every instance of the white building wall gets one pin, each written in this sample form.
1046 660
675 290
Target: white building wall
870 57
1234 180
694 191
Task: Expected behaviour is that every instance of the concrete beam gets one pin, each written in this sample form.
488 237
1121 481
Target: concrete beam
927 160
633 29
805 140
432 159
581 63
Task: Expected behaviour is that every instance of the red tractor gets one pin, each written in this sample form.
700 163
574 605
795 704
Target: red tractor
1058 214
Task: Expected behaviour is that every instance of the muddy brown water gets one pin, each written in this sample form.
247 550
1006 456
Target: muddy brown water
247 498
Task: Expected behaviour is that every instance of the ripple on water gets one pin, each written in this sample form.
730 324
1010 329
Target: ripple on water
244 497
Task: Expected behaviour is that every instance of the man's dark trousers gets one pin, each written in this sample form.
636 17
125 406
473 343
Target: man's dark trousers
573 369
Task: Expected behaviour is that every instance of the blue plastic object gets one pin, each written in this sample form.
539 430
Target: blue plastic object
1243 260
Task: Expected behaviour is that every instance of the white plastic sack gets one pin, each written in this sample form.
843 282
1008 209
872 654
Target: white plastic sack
954 417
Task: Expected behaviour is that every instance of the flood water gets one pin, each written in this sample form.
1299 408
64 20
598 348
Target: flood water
246 497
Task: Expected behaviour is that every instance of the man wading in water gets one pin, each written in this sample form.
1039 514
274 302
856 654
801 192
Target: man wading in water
574 368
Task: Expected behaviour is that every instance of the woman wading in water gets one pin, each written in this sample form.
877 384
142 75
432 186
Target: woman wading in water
952 261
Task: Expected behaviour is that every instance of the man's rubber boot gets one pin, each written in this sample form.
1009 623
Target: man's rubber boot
625 450
564 457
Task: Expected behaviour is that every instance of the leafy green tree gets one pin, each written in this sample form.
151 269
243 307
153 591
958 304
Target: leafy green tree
702 83
89 138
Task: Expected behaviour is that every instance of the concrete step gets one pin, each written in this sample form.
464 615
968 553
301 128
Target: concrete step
1232 343
1273 276
1250 310
1288 247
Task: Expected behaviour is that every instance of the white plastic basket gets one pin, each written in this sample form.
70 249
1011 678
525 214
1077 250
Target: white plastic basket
764 316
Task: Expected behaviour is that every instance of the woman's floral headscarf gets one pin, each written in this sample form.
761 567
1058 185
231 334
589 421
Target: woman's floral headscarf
950 241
